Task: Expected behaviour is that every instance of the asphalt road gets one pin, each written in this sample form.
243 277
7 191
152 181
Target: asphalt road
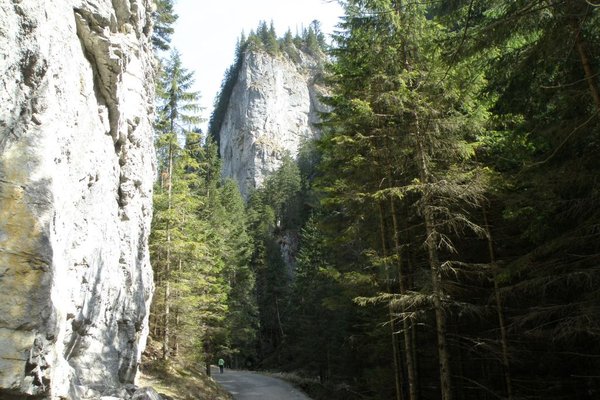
244 385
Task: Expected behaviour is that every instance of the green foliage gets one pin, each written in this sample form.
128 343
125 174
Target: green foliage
177 109
210 278
274 213
314 39
458 165
281 192
224 212
199 246
498 97
310 40
317 326
164 18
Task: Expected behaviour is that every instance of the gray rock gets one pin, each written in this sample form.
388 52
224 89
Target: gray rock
272 110
76 175
131 388
146 393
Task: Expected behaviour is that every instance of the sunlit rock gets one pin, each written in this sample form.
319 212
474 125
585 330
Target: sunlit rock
76 172
272 110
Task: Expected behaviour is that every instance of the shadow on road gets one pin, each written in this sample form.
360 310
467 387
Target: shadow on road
246 385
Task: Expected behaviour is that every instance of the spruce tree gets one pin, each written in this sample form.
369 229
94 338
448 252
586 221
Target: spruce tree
395 94
176 110
273 217
542 75
272 44
164 18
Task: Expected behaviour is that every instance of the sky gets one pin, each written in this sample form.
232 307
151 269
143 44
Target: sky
207 31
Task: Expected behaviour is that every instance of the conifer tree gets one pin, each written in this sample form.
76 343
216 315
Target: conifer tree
316 328
164 18
288 39
223 211
272 211
539 64
242 318
395 92
177 108
397 292
272 44
312 40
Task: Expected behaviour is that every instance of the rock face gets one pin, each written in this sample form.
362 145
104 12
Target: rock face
272 110
76 173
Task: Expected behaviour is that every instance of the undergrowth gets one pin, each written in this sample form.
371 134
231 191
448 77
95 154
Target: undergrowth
175 380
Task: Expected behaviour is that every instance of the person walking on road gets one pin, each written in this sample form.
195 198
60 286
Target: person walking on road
221 365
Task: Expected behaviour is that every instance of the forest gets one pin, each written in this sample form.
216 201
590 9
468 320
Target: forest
447 221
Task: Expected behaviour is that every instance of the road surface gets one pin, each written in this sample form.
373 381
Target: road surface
244 385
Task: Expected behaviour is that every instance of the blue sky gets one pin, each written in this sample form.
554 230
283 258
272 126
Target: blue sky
207 30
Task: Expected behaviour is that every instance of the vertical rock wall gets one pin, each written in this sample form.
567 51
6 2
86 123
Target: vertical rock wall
76 173
272 110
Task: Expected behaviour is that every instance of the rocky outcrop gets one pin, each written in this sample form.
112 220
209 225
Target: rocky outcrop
272 110
76 173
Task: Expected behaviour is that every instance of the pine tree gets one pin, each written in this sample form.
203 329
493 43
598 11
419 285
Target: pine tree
395 90
543 77
273 214
223 210
396 285
312 40
178 106
272 44
242 319
316 326
164 18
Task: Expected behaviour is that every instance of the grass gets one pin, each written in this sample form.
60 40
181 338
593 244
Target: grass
175 380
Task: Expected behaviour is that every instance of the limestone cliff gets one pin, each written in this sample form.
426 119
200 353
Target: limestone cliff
272 110
76 172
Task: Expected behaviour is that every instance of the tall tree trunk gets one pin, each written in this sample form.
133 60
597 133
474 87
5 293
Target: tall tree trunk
413 331
167 276
176 333
397 369
176 295
166 332
406 322
208 353
499 311
407 326
328 361
280 333
590 76
154 319
431 242
436 281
